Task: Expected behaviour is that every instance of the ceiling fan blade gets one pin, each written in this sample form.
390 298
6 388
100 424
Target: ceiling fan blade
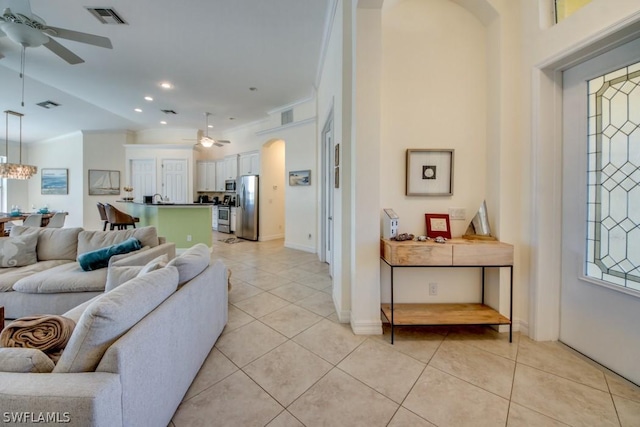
223 141
63 52
77 36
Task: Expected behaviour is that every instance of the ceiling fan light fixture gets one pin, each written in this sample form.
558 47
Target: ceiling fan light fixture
207 142
24 35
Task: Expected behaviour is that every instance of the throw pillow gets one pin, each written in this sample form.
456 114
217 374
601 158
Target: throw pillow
154 264
191 262
90 240
99 258
117 275
24 360
112 315
18 251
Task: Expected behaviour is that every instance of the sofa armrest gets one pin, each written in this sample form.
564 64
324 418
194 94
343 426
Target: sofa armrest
143 257
79 399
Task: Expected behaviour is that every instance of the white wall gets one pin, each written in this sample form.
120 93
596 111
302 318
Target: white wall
64 152
272 190
434 95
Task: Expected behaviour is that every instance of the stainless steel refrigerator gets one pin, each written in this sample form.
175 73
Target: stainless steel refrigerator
247 210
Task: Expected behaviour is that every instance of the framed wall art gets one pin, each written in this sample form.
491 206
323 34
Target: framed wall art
104 182
54 181
300 177
429 172
438 225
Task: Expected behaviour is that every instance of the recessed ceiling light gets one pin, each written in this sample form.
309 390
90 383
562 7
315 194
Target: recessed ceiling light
166 85
253 89
148 98
163 122
138 110
232 118
210 126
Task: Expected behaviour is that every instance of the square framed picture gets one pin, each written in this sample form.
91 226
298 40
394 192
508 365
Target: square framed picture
104 182
54 181
429 172
438 225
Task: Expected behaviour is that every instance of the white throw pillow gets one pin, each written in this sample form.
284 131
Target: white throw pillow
117 275
192 262
18 251
23 360
112 315
155 264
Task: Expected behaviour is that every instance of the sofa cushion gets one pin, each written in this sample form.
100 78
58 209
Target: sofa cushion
92 240
112 315
53 243
191 262
9 276
117 275
24 360
18 251
99 258
68 277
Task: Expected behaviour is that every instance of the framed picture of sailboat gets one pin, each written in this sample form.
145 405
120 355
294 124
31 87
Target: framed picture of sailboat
104 183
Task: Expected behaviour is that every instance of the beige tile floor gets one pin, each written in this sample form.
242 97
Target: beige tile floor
284 360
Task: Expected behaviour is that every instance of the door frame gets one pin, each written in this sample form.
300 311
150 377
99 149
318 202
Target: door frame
327 202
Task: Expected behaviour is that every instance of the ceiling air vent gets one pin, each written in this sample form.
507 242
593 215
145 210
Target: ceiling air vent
106 15
169 112
286 117
48 104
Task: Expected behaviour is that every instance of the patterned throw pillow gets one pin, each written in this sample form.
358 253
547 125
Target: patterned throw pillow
18 251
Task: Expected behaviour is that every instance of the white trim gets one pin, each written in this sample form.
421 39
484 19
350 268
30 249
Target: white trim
370 327
292 105
271 237
189 147
310 249
287 126
326 36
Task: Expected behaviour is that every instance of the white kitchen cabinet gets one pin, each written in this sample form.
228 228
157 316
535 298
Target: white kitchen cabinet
214 218
220 175
232 221
249 163
206 176
231 167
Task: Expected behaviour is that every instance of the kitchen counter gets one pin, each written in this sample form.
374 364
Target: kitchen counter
185 224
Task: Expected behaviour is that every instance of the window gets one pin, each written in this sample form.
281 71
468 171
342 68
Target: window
564 8
613 178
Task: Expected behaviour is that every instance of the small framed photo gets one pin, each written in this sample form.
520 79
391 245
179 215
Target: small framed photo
438 225
104 182
336 155
300 177
429 172
54 181
336 177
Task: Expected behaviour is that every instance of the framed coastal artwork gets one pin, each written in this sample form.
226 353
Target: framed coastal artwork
54 181
300 177
104 182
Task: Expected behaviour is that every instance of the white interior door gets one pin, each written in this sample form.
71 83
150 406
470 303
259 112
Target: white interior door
143 177
175 180
600 290
328 183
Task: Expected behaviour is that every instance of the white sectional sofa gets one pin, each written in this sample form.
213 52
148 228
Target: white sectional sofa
55 283
156 339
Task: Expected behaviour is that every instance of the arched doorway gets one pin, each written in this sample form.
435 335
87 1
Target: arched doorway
272 190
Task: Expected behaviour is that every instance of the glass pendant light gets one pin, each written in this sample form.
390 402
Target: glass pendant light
15 170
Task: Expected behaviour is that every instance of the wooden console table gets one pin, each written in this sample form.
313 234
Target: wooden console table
453 253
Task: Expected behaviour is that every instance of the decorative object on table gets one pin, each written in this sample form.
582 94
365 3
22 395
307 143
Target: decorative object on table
403 236
438 226
15 211
104 182
128 189
54 181
422 238
440 239
389 224
429 172
44 210
14 170
300 177
479 228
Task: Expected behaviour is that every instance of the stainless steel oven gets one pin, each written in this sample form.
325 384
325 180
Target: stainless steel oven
224 216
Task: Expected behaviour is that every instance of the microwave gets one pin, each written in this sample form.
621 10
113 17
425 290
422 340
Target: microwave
230 185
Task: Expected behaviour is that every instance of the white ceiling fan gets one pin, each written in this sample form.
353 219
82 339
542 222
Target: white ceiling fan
27 29
205 140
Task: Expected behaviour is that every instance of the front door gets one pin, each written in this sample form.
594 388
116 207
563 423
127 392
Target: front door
600 290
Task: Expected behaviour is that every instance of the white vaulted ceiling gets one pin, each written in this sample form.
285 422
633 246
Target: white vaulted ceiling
212 51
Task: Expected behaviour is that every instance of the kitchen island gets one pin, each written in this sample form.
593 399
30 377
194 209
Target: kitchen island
183 224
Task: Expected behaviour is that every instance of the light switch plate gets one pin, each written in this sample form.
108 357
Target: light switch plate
457 213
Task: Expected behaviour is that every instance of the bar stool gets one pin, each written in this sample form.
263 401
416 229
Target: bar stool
118 218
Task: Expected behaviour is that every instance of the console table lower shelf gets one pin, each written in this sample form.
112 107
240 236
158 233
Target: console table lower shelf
443 314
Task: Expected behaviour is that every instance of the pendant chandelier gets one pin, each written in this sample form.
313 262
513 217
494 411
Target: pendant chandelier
15 170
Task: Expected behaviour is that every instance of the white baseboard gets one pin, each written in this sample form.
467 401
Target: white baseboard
367 327
344 316
300 247
272 237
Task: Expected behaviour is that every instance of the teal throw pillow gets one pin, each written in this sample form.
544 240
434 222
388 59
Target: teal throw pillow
99 258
